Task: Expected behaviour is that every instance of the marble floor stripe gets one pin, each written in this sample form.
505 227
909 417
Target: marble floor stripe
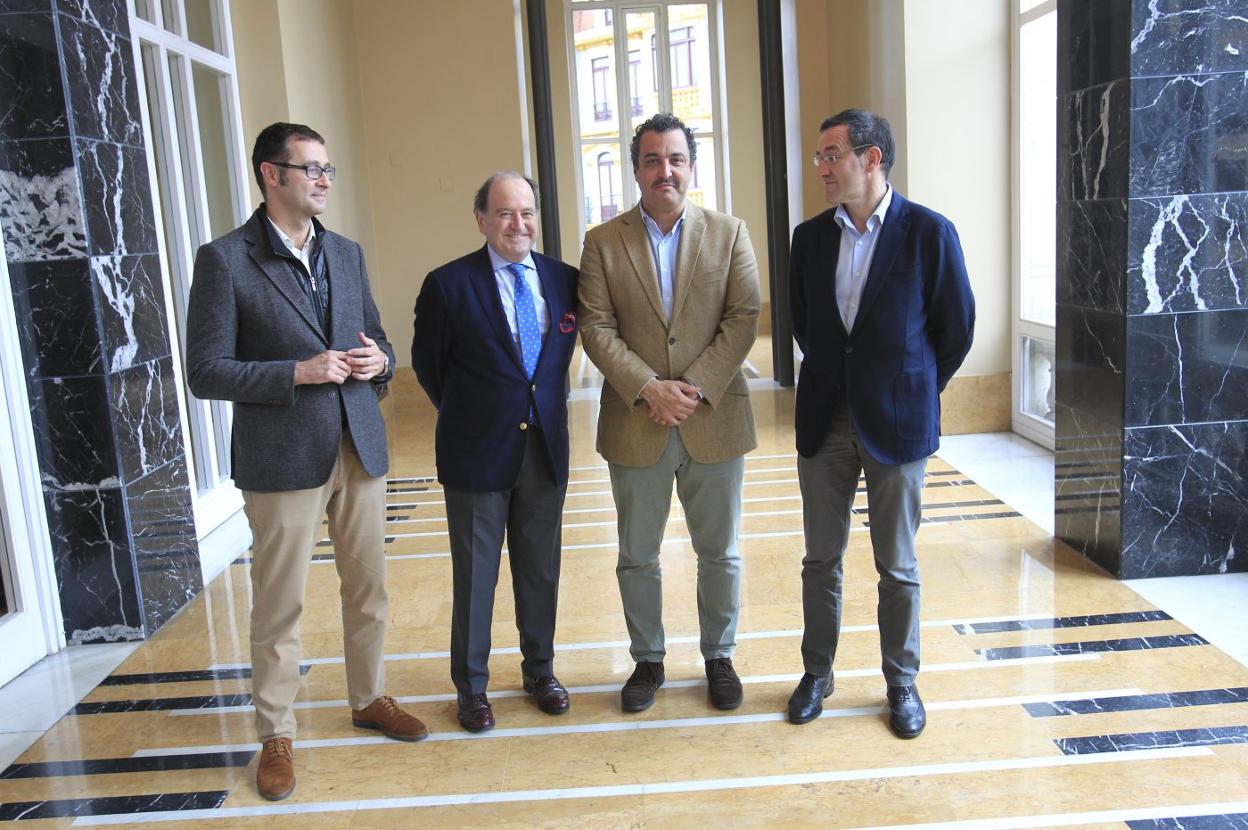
208 709
1134 703
1126 814
1125 644
214 703
145 678
632 725
1134 741
128 806
654 788
596 645
1225 821
1062 622
143 763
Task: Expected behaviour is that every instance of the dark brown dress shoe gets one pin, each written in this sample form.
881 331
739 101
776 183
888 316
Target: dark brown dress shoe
638 692
551 697
806 702
722 684
475 713
275 777
906 715
384 715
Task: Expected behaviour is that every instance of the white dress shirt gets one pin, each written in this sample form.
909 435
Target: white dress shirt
506 282
664 248
854 260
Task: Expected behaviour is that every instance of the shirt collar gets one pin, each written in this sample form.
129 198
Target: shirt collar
654 226
500 262
287 241
842 215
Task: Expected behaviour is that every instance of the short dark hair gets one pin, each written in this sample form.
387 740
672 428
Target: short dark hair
865 127
481 202
271 145
664 122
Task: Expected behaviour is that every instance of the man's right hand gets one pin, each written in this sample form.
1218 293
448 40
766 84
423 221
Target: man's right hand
670 401
329 366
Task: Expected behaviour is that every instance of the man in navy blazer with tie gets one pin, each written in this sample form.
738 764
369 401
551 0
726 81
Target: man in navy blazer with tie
883 312
494 334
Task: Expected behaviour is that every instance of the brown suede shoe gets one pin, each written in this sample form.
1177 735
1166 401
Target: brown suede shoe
383 714
275 777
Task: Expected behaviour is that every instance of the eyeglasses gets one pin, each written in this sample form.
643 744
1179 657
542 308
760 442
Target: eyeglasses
312 171
833 158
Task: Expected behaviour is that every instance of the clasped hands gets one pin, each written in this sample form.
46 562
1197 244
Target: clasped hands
670 402
333 366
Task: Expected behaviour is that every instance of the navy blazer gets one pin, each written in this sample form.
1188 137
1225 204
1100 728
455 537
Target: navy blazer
469 365
912 332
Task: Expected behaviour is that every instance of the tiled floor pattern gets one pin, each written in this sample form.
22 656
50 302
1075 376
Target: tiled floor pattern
1056 695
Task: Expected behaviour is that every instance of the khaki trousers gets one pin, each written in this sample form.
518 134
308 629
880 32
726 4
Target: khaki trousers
285 527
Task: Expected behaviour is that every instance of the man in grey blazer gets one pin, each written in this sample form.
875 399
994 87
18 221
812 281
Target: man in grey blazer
669 305
281 322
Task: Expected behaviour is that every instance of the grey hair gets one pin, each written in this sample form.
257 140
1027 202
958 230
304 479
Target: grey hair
480 202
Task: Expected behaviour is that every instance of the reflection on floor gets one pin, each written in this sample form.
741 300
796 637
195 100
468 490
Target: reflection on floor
1057 696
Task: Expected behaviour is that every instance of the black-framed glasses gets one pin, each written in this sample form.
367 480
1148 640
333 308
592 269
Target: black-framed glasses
832 158
312 171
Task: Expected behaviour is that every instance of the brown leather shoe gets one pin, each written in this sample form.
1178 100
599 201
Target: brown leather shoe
475 713
551 697
383 714
275 777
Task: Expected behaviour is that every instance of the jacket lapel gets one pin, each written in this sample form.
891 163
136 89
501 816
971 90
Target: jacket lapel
481 275
687 254
278 272
829 256
637 243
896 224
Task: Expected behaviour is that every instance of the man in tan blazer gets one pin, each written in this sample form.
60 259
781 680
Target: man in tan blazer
669 307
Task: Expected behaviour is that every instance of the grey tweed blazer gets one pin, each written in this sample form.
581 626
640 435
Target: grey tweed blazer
248 323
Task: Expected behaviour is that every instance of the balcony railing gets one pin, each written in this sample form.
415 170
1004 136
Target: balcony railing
610 210
602 112
638 107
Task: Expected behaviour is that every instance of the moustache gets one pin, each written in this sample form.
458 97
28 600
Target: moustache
661 182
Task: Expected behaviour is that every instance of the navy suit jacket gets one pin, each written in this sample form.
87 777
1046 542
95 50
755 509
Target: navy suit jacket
912 332
469 365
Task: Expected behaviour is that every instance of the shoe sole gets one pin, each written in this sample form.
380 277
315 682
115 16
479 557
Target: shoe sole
627 708
359 724
475 729
277 797
906 735
724 707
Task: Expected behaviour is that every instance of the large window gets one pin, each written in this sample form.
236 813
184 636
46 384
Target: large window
1035 217
184 53
605 34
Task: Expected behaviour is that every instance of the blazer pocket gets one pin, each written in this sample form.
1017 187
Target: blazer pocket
913 402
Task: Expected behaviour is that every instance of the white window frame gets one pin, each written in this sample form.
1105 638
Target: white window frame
1023 423
33 626
719 107
207 448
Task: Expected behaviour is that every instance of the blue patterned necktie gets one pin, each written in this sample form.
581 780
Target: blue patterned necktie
526 320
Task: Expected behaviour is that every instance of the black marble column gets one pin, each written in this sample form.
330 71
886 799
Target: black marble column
1152 294
80 240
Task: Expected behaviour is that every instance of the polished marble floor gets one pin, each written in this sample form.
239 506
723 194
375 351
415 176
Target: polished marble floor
1057 696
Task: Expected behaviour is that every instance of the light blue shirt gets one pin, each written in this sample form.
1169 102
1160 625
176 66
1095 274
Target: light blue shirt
664 249
507 291
854 261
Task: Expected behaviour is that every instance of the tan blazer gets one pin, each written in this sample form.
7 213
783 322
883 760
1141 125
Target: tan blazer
715 306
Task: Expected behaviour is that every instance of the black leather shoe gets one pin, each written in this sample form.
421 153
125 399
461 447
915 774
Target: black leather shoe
722 684
906 715
806 702
551 697
475 713
638 692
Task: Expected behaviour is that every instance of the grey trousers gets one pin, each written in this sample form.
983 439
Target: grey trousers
530 514
829 480
711 497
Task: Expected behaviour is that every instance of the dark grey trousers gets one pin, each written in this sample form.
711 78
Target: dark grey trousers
829 481
530 515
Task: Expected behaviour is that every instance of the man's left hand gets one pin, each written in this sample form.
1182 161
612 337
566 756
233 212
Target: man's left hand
367 361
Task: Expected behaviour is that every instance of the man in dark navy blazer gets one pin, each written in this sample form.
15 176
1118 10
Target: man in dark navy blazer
883 312
494 334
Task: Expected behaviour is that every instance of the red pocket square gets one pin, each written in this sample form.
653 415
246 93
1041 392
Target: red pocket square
568 324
